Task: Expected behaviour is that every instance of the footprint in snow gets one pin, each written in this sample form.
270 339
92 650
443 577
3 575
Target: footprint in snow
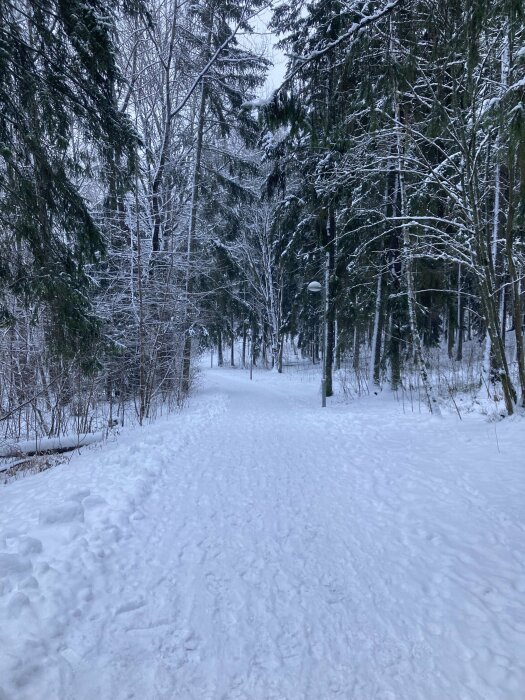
130 606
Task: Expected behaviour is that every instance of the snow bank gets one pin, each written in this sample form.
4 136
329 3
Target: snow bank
53 444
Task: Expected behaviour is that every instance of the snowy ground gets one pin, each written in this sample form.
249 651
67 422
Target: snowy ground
257 546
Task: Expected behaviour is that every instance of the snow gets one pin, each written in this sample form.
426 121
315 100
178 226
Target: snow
259 102
258 546
42 444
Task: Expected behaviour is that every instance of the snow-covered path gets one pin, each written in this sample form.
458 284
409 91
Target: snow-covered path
257 546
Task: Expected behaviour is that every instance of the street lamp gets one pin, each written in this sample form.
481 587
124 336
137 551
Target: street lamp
315 287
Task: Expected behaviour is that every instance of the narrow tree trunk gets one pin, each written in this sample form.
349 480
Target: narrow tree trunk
486 259
394 353
186 353
280 355
220 356
329 311
409 275
156 203
451 321
460 318
243 345
495 361
514 277
355 359
503 314
142 349
375 351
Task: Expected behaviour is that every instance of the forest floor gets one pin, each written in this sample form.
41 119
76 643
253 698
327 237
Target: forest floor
257 546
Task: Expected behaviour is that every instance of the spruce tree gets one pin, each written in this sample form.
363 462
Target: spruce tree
59 127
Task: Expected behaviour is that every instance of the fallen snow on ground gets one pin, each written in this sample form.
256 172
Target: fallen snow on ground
257 546
54 444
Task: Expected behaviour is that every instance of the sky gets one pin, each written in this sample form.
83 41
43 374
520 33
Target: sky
277 71
263 38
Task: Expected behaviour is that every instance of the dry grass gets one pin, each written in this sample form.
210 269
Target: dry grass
29 465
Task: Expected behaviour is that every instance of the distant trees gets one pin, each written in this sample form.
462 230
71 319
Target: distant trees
60 128
59 124
151 204
405 127
115 123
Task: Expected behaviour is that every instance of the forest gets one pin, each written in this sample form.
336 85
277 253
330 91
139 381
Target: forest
158 200
208 209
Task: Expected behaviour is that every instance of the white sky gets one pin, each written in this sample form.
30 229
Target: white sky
264 39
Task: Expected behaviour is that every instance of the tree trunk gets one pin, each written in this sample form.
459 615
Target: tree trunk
156 203
220 356
280 355
514 277
377 333
330 311
355 359
186 353
142 339
460 318
243 345
409 273
451 321
394 354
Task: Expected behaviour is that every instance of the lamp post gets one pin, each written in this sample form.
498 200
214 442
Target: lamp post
316 287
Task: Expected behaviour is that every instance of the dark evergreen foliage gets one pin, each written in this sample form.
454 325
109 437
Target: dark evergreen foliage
59 127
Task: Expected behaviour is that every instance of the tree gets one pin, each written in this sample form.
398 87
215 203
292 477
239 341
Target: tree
59 122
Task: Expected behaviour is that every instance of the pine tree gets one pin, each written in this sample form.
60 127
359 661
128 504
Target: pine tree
59 124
